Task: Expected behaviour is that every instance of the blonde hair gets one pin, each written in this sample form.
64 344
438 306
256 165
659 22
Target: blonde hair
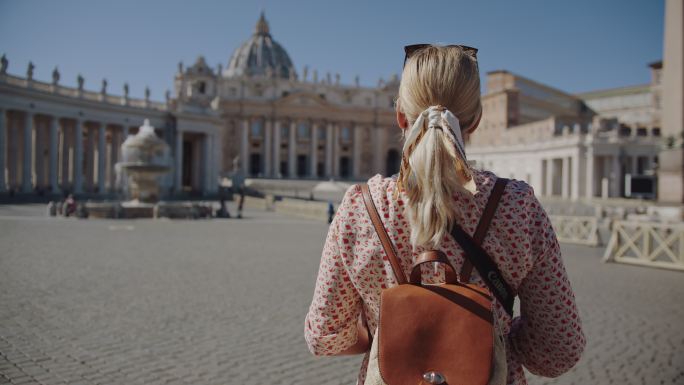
449 77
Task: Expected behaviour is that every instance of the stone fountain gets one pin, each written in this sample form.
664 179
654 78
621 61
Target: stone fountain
145 159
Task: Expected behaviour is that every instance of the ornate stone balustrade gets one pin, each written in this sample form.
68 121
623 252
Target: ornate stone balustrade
81 93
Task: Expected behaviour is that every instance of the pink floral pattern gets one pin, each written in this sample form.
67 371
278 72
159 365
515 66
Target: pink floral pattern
546 337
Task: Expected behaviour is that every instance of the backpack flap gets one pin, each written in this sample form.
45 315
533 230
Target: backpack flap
419 342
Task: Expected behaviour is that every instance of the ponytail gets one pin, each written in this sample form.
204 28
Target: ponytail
434 166
433 169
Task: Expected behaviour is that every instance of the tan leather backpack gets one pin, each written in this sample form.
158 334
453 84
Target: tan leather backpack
446 333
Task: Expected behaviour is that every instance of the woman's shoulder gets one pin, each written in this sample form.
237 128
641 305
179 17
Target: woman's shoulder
378 185
382 187
515 189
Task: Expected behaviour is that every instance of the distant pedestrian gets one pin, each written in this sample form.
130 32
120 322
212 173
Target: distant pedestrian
69 207
223 209
51 209
331 211
242 202
238 185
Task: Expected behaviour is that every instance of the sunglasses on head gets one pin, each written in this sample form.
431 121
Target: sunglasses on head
409 50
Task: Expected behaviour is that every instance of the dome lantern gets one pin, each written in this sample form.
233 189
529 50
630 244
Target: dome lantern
262 25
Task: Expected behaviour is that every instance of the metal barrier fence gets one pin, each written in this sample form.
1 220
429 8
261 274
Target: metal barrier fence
646 244
581 230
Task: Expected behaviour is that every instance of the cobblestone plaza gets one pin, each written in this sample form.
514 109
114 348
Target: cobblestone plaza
223 302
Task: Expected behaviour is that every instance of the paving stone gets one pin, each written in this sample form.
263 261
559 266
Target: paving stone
216 302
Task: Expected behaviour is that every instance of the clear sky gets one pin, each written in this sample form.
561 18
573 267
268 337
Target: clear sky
575 45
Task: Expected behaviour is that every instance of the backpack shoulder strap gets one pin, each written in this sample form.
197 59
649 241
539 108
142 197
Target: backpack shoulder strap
483 224
387 244
477 256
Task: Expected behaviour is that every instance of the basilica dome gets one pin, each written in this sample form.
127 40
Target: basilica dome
260 55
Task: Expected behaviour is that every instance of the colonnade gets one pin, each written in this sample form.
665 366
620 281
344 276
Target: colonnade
560 176
592 175
194 167
301 149
52 154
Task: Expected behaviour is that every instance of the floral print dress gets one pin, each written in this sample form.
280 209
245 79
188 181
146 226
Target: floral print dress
546 337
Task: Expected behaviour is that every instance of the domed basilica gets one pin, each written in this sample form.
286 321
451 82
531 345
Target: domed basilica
258 117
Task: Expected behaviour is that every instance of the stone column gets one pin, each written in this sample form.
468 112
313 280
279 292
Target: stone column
565 180
313 164
615 176
671 161
336 151
206 164
268 151
549 176
38 152
356 151
590 177
26 185
12 152
378 138
214 163
78 156
65 158
329 151
115 146
178 157
3 149
276 149
89 154
292 151
54 148
673 75
244 148
538 179
101 160
197 176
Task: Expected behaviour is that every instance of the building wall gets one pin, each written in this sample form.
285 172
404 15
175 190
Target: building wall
565 145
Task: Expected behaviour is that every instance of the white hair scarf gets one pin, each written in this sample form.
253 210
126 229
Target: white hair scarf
439 117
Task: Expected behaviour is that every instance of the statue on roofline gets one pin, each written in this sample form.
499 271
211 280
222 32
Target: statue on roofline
29 70
4 63
55 76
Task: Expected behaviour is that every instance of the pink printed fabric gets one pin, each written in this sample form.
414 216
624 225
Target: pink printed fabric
546 337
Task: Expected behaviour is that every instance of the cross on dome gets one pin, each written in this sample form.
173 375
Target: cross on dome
262 25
